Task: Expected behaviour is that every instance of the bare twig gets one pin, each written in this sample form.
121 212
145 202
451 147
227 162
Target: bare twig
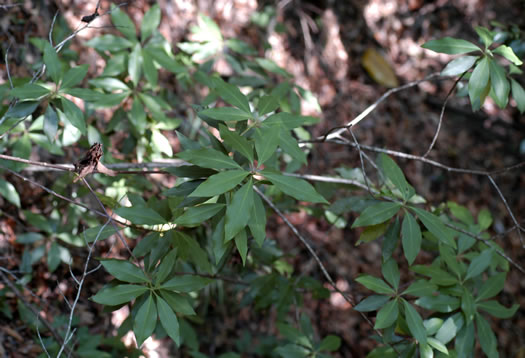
7 66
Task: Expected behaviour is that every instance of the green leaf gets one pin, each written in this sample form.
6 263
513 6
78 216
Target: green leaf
124 24
390 272
186 283
165 266
437 275
492 286
267 104
28 91
451 46
257 222
238 211
109 84
198 214
150 22
297 188
53 257
241 242
375 284
103 233
160 143
227 114
236 142
494 308
271 66
432 325
168 319
387 315
8 191
376 214
140 215
177 302
508 53
288 120
50 123
420 288
74 76
396 176
485 35
435 226
425 351
467 305
460 212
110 43
118 295
290 146
330 343
479 264
137 116
518 93
411 237
148 66
415 323
441 303
459 65
22 109
220 183
145 321
52 63
478 83
124 270
135 64
500 84
165 60
232 95
372 303
450 328
266 142
486 337
189 249
74 115
209 158
465 341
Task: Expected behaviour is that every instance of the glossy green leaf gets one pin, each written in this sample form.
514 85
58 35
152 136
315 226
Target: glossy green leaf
220 183
500 84
110 43
376 214
50 123
486 337
508 53
420 288
241 242
478 83
396 176
177 302
53 68
238 211
479 264
518 93
459 65
257 222
387 315
451 46
150 22
124 24
432 325
375 284
297 188
425 351
237 142
209 158
109 84
140 215
390 272
267 104
124 270
372 303
169 320
330 343
411 237
198 214
160 143
186 283
492 286
118 295
28 91
440 303
74 76
415 323
74 115
435 226
450 328
266 142
145 320
8 191
494 308
232 95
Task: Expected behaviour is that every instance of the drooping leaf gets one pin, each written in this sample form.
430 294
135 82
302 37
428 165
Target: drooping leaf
257 222
500 84
145 321
415 323
169 320
486 337
478 83
8 191
50 123
241 242
411 237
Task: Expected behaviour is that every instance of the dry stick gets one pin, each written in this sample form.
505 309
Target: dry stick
520 228
7 66
33 310
442 114
349 128
85 273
